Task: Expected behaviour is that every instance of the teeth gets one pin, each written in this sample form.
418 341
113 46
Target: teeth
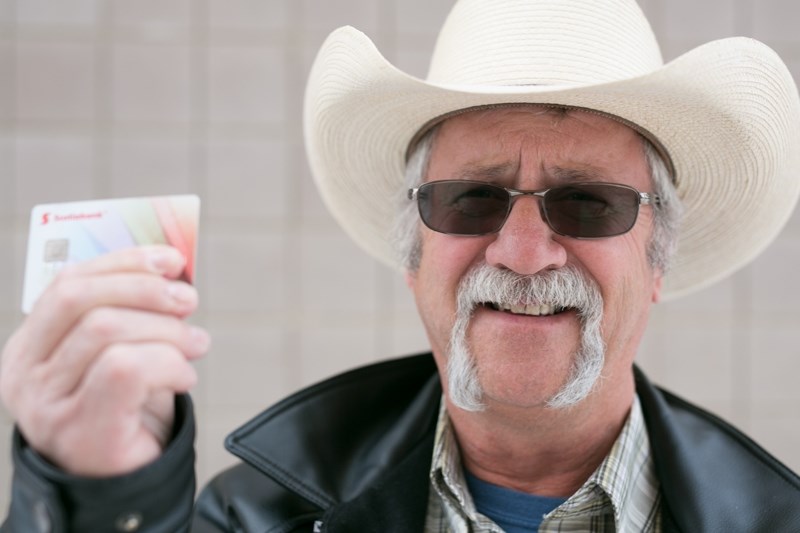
532 310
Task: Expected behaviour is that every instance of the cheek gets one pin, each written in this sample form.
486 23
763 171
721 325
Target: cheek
444 261
628 285
446 258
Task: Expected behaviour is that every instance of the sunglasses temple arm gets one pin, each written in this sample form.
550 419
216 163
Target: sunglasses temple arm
646 198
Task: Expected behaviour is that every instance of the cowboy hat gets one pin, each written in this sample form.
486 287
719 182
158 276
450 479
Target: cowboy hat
726 115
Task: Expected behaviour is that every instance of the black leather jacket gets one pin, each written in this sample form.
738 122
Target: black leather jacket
353 453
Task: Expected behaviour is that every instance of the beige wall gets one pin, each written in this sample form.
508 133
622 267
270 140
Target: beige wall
140 97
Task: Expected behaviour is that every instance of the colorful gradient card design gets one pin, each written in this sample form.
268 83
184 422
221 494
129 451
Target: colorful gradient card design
61 234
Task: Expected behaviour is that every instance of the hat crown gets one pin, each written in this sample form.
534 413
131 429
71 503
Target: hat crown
543 42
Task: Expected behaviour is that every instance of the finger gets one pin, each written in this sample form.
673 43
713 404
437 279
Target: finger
156 259
70 296
121 413
11 372
126 374
102 327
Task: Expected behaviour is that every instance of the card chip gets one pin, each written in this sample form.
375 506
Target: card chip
56 250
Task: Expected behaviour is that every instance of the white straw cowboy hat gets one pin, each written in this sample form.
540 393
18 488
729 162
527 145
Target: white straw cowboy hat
727 115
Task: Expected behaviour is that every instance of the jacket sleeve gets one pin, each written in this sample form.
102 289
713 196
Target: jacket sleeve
157 498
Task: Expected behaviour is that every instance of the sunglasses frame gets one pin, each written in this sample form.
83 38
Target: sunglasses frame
643 197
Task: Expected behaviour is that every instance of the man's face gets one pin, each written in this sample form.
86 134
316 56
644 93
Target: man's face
523 360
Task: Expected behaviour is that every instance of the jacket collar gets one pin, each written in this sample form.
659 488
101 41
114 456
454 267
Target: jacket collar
713 477
335 440
359 446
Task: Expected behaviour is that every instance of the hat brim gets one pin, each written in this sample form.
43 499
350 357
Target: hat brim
727 113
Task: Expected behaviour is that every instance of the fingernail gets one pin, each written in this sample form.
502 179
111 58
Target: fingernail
158 262
181 292
200 339
162 259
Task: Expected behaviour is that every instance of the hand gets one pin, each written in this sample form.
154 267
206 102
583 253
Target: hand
90 375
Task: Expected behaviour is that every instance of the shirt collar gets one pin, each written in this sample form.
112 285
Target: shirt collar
447 474
625 479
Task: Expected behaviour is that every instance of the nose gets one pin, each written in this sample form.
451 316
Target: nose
526 244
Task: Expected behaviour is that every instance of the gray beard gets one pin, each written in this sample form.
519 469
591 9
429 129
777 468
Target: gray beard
566 287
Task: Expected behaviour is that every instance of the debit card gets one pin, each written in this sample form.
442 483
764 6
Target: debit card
66 233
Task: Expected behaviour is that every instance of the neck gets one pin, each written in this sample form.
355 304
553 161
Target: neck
541 450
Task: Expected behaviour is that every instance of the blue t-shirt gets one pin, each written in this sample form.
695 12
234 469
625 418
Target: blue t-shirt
515 512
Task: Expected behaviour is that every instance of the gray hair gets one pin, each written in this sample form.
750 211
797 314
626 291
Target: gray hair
667 212
406 235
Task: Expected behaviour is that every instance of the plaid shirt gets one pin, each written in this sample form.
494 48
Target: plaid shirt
621 496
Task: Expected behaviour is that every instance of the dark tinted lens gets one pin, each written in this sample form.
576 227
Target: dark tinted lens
462 207
591 210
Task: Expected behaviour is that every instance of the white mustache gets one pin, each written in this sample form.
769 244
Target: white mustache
564 288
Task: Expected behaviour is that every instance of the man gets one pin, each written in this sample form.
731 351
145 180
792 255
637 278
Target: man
548 158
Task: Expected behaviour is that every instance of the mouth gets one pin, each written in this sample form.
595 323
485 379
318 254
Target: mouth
526 310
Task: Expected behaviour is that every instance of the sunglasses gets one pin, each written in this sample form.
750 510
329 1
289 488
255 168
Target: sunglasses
579 210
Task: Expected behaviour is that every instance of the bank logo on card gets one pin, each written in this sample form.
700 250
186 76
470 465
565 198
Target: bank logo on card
62 234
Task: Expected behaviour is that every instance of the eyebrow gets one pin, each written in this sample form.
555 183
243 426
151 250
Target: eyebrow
498 171
584 173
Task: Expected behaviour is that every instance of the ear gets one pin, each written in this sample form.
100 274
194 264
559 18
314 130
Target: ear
410 279
658 279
